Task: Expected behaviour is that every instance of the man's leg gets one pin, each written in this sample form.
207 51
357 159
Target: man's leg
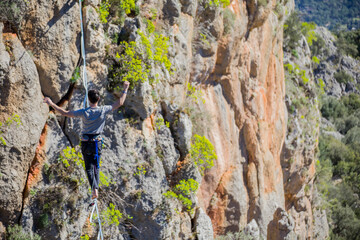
89 164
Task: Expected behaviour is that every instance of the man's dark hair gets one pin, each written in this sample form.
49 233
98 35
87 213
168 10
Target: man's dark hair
94 96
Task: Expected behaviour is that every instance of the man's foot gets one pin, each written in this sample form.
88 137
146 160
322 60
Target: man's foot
95 194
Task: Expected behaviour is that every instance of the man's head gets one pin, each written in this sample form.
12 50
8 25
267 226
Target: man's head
94 96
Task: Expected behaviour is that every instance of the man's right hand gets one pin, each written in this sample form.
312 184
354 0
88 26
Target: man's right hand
48 101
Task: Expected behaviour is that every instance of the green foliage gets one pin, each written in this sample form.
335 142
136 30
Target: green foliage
76 75
321 85
292 31
183 192
217 3
343 77
318 46
194 94
229 20
160 122
294 71
69 154
85 237
333 14
136 60
315 60
348 42
140 170
307 29
127 5
262 3
150 26
202 152
44 221
339 159
111 216
104 11
104 180
12 12
17 233
295 53
132 68
279 9
14 119
333 109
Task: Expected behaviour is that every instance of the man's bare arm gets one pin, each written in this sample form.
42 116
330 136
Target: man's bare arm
57 108
121 100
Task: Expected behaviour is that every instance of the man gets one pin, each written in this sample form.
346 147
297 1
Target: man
93 119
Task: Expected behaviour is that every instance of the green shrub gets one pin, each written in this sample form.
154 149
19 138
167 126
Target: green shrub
128 5
104 11
315 60
217 3
137 59
17 233
346 47
332 108
307 29
183 192
12 12
111 216
343 125
318 46
229 20
76 75
343 77
292 31
68 155
3 126
262 3
335 150
202 152
295 53
351 102
350 42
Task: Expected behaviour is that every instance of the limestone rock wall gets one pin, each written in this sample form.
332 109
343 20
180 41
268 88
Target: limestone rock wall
233 55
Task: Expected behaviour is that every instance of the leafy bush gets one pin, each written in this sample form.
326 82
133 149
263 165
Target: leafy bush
332 108
128 5
351 102
307 29
12 11
76 75
69 154
111 215
262 3
292 31
183 192
104 11
136 60
17 233
202 152
348 42
3 126
343 77
318 46
217 3
229 20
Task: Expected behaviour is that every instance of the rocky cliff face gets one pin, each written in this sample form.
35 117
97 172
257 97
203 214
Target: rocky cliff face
233 59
